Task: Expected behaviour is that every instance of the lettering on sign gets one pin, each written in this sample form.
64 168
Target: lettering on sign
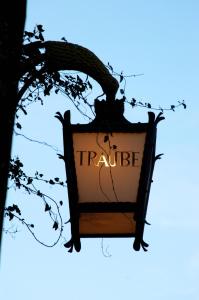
118 158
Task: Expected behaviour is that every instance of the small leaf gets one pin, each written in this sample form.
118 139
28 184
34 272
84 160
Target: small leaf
173 107
24 111
133 100
122 91
51 181
47 90
184 105
56 179
79 79
41 37
18 125
28 33
40 28
64 39
16 208
55 225
47 207
110 67
32 225
90 85
10 208
11 216
30 180
61 203
39 193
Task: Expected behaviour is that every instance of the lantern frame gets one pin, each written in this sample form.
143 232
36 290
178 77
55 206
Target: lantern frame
110 118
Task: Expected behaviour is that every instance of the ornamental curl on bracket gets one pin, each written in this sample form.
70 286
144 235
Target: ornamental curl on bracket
153 119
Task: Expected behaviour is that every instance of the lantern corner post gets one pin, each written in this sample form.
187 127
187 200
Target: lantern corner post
71 182
149 159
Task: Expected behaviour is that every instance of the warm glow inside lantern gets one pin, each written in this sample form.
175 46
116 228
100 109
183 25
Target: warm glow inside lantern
109 166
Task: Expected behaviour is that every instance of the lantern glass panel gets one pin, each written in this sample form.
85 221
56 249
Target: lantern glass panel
106 223
108 165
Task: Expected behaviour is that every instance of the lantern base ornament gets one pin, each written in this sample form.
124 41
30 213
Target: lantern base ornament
109 167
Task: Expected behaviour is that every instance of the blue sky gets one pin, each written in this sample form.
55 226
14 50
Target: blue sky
160 40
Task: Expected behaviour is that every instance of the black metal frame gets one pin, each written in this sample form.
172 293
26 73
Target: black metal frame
109 118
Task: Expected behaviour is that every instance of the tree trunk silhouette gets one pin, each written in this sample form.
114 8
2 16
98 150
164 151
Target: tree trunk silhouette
12 20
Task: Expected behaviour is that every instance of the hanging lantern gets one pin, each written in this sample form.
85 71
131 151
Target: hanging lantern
109 166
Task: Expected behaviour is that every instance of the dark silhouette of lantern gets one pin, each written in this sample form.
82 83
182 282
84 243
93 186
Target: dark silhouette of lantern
109 166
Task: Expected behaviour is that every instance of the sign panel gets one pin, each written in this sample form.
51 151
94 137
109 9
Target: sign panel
108 165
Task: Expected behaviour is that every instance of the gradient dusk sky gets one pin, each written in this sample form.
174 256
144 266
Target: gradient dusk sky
159 39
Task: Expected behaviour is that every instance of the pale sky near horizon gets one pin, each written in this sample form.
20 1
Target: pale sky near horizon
159 39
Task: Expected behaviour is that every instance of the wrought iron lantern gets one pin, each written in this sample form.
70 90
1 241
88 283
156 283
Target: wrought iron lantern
109 166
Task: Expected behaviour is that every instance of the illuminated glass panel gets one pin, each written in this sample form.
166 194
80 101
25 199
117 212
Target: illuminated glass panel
106 223
108 166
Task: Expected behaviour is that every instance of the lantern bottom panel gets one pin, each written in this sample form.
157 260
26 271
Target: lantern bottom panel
107 224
